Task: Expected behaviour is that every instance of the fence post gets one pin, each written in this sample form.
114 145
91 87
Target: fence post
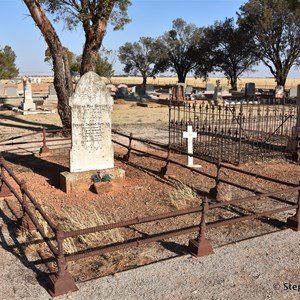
294 221
4 190
201 246
44 150
26 224
127 155
62 282
166 170
214 191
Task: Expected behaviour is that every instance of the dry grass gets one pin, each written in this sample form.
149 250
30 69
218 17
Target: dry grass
183 196
73 218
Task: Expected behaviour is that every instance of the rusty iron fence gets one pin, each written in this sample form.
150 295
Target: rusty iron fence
60 280
43 138
235 131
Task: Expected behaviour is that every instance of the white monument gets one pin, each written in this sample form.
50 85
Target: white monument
218 91
91 154
27 103
279 92
190 135
91 107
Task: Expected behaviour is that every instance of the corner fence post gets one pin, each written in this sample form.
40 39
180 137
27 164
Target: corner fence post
4 190
62 282
44 150
26 224
127 155
201 246
294 221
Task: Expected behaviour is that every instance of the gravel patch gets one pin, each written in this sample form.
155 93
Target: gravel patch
264 267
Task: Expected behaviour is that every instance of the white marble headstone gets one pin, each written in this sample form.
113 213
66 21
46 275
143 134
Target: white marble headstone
91 107
27 103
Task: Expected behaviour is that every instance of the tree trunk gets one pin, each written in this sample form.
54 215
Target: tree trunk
62 75
233 83
144 80
181 77
95 29
281 78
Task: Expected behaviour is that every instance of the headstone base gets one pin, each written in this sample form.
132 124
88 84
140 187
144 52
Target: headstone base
28 105
72 182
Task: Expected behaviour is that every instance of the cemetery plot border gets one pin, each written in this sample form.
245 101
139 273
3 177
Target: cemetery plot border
238 132
62 282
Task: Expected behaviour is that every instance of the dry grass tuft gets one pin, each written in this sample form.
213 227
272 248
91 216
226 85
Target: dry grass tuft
183 196
72 218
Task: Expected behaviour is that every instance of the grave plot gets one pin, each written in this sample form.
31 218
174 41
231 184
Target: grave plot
144 193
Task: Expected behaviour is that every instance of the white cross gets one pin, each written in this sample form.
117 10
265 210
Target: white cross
190 135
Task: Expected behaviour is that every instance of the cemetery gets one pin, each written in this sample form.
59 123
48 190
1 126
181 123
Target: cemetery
127 185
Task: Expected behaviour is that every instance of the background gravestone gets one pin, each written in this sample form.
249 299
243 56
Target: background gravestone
279 92
250 89
293 92
27 103
91 107
210 88
52 92
11 92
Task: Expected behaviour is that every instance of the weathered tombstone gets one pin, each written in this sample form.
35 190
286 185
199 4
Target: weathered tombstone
52 92
149 88
210 88
250 89
27 103
293 92
11 92
91 107
279 92
178 92
140 90
218 91
188 91
92 148
121 93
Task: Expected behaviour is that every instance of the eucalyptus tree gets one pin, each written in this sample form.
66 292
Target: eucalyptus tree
93 16
186 49
275 29
232 49
8 68
143 57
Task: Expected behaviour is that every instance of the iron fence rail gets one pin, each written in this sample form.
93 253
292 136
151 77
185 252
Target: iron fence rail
61 282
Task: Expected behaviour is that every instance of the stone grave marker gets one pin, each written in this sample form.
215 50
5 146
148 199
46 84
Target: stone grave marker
52 92
210 88
293 92
27 103
279 92
122 92
218 91
91 107
11 92
250 89
149 88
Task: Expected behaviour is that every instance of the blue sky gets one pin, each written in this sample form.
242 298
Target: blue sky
149 18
